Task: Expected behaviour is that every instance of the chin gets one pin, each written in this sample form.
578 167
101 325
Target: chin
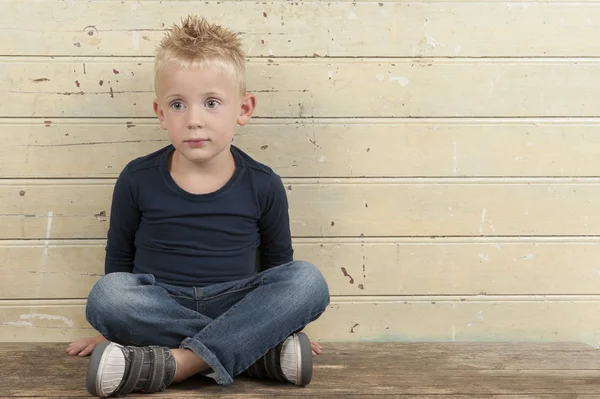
199 157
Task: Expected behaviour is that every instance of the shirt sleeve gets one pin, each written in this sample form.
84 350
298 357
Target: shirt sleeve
125 217
274 226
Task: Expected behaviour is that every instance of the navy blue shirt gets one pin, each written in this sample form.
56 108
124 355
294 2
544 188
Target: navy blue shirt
196 240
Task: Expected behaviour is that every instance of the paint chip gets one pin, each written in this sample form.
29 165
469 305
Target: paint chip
347 275
402 81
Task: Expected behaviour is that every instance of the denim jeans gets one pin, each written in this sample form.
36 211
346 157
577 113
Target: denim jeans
229 325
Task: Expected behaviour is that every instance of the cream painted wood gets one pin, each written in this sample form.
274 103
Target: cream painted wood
400 319
46 209
101 87
69 269
336 29
65 148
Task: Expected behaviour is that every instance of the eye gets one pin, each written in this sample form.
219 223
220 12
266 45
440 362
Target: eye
177 105
212 104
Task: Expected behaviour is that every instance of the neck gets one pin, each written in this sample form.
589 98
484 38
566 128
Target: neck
221 163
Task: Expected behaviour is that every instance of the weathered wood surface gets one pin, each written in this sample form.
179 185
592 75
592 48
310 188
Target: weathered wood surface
314 28
80 148
444 318
46 209
93 87
459 371
450 235
370 266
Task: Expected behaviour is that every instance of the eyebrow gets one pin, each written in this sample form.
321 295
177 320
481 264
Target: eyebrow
210 93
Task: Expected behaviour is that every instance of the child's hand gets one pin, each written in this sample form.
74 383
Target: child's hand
84 346
316 348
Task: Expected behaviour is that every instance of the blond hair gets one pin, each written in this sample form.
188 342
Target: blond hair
198 43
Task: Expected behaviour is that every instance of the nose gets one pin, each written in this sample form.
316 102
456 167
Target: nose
195 118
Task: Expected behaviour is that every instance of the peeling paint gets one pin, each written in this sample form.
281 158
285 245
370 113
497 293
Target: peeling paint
135 39
401 80
455 157
42 316
433 43
483 213
347 275
16 324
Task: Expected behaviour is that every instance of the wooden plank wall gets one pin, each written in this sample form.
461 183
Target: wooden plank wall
441 157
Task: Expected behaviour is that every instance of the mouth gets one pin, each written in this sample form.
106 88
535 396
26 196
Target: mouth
196 140
197 143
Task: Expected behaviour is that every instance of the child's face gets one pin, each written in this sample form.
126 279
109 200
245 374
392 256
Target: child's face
200 109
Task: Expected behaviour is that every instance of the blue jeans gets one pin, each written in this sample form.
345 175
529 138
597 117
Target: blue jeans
229 325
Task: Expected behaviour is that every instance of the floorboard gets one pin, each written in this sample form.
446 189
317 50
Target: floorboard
351 370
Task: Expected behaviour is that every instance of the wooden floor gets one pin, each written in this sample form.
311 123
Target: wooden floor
432 371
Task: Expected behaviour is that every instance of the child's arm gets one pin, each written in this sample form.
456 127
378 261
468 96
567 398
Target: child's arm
274 226
125 218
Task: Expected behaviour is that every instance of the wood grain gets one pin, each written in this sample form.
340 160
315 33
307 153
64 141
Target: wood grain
334 29
68 269
65 87
424 371
91 148
368 319
47 209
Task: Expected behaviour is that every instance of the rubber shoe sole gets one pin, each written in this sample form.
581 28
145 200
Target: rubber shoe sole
306 362
96 367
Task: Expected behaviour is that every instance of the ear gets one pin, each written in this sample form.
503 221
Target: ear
246 109
160 113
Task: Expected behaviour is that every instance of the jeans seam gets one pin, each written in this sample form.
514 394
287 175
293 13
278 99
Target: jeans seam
304 323
181 297
252 287
224 315
248 288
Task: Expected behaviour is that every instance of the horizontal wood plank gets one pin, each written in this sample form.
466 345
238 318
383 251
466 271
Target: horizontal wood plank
356 370
34 270
61 148
317 88
47 209
384 319
336 29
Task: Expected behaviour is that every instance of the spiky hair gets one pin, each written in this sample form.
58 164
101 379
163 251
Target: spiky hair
198 43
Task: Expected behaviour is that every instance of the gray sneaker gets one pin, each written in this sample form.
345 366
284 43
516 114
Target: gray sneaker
116 370
290 361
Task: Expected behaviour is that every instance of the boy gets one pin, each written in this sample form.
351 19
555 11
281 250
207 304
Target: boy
180 295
